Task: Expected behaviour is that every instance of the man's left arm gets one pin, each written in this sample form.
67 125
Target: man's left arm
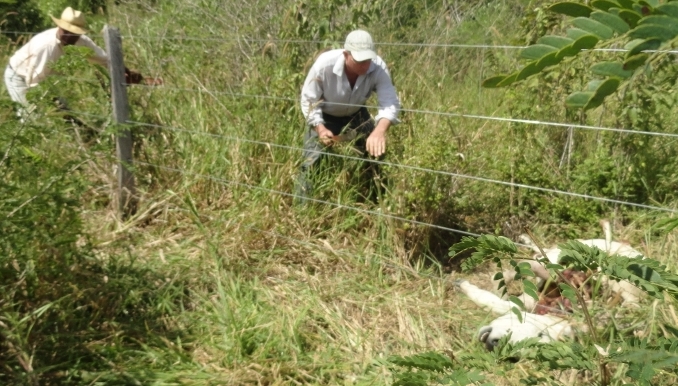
389 106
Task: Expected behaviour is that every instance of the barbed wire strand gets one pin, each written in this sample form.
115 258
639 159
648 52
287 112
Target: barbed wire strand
420 169
309 199
404 166
337 42
431 112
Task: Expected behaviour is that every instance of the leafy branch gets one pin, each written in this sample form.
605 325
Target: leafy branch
647 27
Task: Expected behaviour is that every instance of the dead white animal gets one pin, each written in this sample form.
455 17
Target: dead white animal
546 327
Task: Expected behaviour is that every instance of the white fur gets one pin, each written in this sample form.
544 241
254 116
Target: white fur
545 327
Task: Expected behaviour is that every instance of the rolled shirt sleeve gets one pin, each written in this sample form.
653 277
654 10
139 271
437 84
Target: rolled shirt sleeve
311 97
389 104
99 57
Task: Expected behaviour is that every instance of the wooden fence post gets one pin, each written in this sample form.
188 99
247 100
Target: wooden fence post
126 195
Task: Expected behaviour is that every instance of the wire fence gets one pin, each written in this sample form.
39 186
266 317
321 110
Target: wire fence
328 42
431 112
407 110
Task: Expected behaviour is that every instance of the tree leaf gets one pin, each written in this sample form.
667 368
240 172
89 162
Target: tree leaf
594 84
635 61
613 21
670 9
576 33
661 20
549 60
630 17
578 99
606 88
529 70
494 81
593 27
515 310
555 41
611 69
571 9
536 51
649 3
638 45
604 4
628 4
652 31
531 289
508 80
585 42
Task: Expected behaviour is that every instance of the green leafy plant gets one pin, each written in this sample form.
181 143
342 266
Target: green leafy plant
641 25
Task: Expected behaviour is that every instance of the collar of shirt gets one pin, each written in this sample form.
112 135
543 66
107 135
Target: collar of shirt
339 66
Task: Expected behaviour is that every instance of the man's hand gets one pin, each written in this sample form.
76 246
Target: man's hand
325 135
376 142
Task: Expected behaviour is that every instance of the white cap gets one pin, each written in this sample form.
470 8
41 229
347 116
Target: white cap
359 44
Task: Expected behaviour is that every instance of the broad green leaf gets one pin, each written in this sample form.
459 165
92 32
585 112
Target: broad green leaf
635 61
555 41
571 9
613 21
576 33
611 69
627 4
585 42
630 17
493 81
508 80
649 3
549 60
638 45
604 4
651 31
529 70
516 311
607 87
670 9
536 51
567 51
660 20
568 292
594 84
593 27
515 300
578 99
531 289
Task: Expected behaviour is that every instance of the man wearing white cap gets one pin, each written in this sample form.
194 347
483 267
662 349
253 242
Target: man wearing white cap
333 98
31 63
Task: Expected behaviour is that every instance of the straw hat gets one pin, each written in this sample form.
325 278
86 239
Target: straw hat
72 21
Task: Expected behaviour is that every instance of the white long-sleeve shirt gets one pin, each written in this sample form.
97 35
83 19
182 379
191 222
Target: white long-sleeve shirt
327 90
32 61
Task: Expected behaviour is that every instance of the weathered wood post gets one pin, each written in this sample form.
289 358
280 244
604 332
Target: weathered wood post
126 195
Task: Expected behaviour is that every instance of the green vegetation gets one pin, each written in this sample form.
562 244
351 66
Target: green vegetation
218 279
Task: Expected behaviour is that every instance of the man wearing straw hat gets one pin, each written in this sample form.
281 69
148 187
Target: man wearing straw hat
332 101
31 63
